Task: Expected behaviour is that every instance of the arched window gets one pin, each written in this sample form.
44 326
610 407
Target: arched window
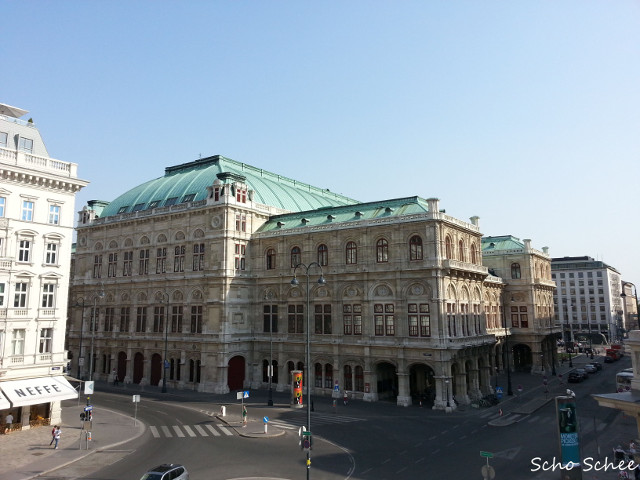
271 259
323 255
359 379
348 378
461 256
448 247
415 248
318 375
328 376
382 251
351 253
515 270
474 254
295 257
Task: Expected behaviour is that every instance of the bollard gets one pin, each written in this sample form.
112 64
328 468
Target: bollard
265 427
223 411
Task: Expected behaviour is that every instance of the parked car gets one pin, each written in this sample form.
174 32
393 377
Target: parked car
167 471
583 372
590 368
598 365
574 377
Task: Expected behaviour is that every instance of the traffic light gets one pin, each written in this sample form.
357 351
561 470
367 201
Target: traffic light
307 441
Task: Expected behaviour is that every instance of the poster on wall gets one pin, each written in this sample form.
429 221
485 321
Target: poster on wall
569 440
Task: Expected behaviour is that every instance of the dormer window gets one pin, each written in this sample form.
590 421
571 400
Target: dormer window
188 198
241 194
25 144
123 209
3 139
153 204
137 207
170 201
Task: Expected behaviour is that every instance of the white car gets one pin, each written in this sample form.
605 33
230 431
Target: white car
590 368
167 471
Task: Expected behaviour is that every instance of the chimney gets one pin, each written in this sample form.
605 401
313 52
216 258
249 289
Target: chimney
433 204
545 250
527 244
474 220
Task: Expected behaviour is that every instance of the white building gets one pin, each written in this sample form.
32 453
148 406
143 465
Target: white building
37 195
587 299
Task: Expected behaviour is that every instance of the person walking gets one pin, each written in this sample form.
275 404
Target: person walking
56 436
244 416
53 435
9 421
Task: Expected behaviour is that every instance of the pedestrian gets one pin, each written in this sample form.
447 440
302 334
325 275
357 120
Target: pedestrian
115 377
345 398
53 435
56 436
9 421
244 416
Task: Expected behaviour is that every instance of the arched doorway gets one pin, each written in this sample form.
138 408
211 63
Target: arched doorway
138 367
122 366
235 373
522 357
156 369
422 385
387 381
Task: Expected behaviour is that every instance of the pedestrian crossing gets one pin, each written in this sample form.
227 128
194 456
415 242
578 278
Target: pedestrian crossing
295 421
189 431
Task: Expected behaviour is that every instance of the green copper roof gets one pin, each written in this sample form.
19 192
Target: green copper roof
188 183
348 213
504 242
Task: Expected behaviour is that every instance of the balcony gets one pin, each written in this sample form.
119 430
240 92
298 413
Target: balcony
38 163
465 266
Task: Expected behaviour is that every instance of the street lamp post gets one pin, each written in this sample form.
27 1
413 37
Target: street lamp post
165 363
321 281
80 303
446 383
506 347
94 325
270 368
554 347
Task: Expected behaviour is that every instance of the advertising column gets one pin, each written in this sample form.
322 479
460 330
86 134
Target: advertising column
569 441
296 388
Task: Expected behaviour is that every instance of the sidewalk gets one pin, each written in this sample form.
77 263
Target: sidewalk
27 454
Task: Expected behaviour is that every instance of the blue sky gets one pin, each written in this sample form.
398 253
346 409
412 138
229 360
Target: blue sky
526 114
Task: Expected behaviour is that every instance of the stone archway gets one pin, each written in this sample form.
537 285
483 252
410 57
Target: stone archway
422 384
522 357
138 367
235 375
156 369
387 381
122 366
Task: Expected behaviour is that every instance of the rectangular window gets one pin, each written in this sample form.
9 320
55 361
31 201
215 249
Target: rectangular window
515 319
158 319
125 318
176 319
196 319
127 266
178 258
113 265
95 319
20 296
25 144
27 211
419 320
240 252
241 223
141 319
1 294
46 340
24 251
17 341
270 318
161 260
143 266
295 319
51 254
352 319
198 257
322 319
3 139
109 316
3 204
97 266
241 195
451 319
48 295
384 320
54 214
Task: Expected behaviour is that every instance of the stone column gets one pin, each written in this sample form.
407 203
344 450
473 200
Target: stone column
404 396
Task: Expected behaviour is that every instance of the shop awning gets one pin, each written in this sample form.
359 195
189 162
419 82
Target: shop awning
37 390
4 403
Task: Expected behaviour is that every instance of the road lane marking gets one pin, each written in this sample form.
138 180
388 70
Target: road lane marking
176 429
201 431
166 431
154 432
224 430
213 430
190 432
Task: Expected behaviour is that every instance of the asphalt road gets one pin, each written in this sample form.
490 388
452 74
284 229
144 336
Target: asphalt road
360 441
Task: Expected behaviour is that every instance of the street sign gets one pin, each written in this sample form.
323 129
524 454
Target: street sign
88 408
265 419
166 364
245 394
486 454
499 393
81 361
488 472
136 398
88 388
